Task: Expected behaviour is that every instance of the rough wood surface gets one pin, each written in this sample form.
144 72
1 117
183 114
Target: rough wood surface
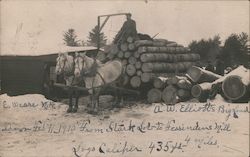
199 75
154 95
169 95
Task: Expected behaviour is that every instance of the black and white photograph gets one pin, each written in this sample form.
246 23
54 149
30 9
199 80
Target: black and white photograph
106 78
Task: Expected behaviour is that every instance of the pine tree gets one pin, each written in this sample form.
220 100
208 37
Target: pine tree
93 35
70 38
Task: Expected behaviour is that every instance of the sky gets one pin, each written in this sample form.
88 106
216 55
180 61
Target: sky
40 24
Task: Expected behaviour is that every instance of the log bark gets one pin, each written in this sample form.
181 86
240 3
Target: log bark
169 95
124 47
184 84
154 95
183 94
166 67
130 69
163 57
236 85
199 75
160 82
201 91
135 81
132 60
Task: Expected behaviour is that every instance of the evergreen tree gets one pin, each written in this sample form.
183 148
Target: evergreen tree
93 35
70 38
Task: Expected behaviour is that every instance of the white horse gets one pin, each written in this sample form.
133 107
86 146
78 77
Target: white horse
65 66
96 75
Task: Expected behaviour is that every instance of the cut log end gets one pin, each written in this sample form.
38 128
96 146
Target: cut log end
154 95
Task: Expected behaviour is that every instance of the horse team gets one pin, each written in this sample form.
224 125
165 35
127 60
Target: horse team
81 70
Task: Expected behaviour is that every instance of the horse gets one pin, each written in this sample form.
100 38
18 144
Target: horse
65 66
97 76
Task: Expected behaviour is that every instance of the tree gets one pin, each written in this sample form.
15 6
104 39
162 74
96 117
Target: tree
207 49
70 38
234 51
93 35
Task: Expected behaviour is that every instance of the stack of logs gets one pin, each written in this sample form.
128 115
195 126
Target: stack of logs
146 59
234 86
171 90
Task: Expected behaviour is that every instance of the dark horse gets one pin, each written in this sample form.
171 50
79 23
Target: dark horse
65 66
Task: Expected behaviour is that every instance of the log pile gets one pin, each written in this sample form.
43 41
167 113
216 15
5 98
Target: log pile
146 59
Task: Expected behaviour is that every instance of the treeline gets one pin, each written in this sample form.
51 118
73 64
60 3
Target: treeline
232 53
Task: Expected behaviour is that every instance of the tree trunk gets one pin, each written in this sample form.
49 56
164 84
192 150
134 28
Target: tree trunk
124 47
130 69
166 67
132 60
184 84
236 85
183 94
199 75
163 57
169 95
160 82
154 95
201 91
127 54
131 46
135 81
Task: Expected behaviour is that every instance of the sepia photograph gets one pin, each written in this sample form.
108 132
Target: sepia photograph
106 78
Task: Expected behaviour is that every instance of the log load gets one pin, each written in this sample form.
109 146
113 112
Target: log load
163 49
184 84
201 91
166 67
138 65
131 47
163 57
199 75
154 95
120 54
127 54
169 95
130 40
160 82
135 81
124 47
156 43
236 85
132 60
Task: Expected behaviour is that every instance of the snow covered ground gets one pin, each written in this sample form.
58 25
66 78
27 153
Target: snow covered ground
31 125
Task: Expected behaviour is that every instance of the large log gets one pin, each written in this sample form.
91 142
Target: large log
201 91
135 81
120 54
131 46
140 43
236 85
183 94
130 69
199 75
132 60
166 67
184 84
124 47
160 82
163 49
169 95
163 57
154 95
127 54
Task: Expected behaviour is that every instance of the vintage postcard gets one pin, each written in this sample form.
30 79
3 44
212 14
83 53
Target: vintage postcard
145 78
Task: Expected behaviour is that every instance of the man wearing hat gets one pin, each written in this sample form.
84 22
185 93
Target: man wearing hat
128 30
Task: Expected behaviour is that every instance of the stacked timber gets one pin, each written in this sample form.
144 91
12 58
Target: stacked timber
170 90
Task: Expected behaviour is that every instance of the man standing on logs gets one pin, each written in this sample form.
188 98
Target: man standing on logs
128 30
